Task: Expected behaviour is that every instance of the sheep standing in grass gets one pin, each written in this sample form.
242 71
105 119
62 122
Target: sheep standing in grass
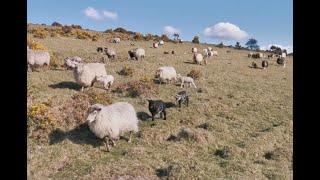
110 52
71 62
185 79
264 64
106 80
86 74
183 97
155 44
194 50
37 58
198 58
156 107
167 73
116 40
137 53
281 61
112 121
161 42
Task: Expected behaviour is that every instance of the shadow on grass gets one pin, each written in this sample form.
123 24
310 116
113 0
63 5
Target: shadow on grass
162 172
68 84
143 116
78 135
187 62
254 67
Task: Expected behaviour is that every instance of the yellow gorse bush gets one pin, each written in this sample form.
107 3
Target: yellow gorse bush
34 44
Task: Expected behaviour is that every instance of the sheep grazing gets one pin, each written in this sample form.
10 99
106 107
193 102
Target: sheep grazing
185 79
194 50
37 58
167 73
137 53
116 40
110 52
281 61
155 44
157 107
86 74
265 64
161 42
99 49
198 58
106 80
112 121
254 65
71 62
183 97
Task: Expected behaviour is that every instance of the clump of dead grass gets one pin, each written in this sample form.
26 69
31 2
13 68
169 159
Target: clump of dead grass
126 71
195 74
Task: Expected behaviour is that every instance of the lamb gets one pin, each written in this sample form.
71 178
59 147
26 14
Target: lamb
161 42
110 52
254 65
155 44
281 61
265 64
71 62
106 80
112 121
116 40
137 53
37 57
194 50
185 79
166 73
198 58
86 74
156 107
183 97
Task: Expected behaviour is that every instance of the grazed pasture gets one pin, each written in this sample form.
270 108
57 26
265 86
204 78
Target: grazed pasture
238 124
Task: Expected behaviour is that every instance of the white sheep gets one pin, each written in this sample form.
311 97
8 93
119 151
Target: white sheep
71 62
86 74
215 53
166 73
155 44
194 50
116 40
110 52
106 80
198 58
37 57
209 48
161 42
137 53
112 121
185 79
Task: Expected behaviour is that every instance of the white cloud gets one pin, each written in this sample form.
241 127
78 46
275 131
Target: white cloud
99 15
92 13
170 30
110 15
288 48
226 31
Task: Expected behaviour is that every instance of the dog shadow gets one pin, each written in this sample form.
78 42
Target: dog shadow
66 84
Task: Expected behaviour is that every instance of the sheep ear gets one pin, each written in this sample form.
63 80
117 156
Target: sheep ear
98 109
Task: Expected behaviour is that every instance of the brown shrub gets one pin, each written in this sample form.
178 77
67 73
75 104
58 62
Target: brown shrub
40 33
55 61
138 88
83 35
34 44
148 37
66 29
126 71
138 37
195 74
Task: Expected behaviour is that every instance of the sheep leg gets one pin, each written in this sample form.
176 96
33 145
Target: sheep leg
153 114
165 114
187 101
194 85
113 142
130 137
82 89
180 104
106 139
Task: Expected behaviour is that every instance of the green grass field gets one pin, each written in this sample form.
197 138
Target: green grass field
238 124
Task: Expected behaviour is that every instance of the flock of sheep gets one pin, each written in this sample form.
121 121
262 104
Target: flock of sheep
112 121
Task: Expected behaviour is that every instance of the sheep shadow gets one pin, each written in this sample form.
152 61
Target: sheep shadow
66 84
169 104
81 134
187 62
143 116
254 67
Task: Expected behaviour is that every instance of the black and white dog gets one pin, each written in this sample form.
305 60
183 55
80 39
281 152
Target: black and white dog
156 107
183 97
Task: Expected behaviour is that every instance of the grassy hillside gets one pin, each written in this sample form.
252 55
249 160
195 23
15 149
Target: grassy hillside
238 124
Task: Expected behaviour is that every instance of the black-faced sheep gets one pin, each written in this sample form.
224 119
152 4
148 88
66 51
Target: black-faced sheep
264 64
112 121
99 49
137 53
156 107
183 97
110 52
197 58
281 61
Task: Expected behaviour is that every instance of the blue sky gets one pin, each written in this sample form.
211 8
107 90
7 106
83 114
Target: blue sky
270 22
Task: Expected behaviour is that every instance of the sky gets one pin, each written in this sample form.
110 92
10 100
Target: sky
270 22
